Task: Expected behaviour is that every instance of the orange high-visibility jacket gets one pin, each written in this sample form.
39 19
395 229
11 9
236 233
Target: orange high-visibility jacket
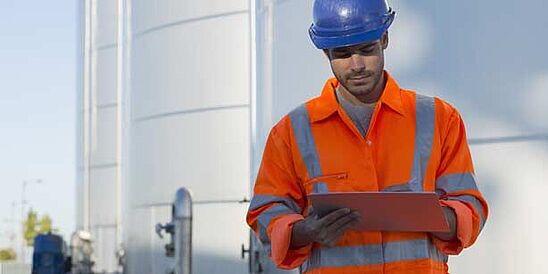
414 143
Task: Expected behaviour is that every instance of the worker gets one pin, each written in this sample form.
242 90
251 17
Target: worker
363 133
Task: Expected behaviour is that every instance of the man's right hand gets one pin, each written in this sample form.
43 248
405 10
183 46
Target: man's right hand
326 230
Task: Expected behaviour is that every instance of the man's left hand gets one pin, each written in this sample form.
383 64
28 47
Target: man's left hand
451 218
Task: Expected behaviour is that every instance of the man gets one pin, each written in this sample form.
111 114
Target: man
364 133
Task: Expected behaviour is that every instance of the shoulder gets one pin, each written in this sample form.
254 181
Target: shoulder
443 108
284 128
302 112
445 113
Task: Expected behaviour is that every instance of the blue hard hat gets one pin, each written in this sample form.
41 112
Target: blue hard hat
341 23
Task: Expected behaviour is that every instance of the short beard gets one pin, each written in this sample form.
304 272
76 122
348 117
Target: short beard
361 91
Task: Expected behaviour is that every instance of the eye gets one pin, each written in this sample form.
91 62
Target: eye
368 49
338 54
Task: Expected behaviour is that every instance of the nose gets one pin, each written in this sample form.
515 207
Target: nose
357 62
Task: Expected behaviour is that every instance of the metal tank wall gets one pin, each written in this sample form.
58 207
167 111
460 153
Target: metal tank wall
100 170
190 118
81 108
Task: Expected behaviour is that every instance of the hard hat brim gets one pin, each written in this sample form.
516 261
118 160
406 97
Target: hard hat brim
337 41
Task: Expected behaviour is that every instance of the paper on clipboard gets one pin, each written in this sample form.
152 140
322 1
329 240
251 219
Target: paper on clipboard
387 211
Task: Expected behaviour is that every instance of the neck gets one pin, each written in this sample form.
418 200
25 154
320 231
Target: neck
369 98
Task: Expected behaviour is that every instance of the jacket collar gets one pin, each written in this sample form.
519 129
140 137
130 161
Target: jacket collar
326 104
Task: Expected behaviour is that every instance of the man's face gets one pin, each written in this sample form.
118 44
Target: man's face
359 68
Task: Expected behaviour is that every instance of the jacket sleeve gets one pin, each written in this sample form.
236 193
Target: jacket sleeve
277 203
457 187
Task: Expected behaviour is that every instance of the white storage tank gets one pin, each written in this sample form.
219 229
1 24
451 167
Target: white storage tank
190 105
99 168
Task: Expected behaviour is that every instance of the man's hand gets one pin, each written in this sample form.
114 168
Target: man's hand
451 218
326 230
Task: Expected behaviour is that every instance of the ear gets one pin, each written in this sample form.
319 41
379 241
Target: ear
384 40
326 52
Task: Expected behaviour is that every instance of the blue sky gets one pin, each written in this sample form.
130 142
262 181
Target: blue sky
37 108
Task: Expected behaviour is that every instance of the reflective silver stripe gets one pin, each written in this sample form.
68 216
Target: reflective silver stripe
424 133
412 250
267 248
344 256
474 202
305 140
373 254
456 182
264 220
261 200
461 182
265 241
398 188
320 188
284 205
274 211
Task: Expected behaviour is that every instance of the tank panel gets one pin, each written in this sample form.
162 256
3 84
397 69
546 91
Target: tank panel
105 22
103 192
104 87
207 152
178 68
153 14
103 146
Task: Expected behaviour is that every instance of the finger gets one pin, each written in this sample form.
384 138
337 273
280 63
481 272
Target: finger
322 235
342 225
325 230
342 221
333 216
334 236
349 225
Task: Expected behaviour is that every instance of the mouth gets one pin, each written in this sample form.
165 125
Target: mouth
359 79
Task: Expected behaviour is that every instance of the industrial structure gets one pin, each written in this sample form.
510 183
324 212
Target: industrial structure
182 94
169 100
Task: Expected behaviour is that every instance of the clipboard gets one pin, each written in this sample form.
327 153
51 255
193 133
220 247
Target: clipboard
386 211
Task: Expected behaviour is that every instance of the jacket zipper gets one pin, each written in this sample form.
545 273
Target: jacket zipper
338 176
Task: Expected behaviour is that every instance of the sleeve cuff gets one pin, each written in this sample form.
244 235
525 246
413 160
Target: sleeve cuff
464 229
280 238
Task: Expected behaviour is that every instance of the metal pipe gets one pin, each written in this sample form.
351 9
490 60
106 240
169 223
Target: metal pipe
120 91
182 217
508 139
87 111
23 219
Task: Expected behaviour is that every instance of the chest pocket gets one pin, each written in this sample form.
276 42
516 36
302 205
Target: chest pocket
319 182
328 183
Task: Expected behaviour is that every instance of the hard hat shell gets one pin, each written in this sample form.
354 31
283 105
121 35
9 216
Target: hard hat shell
341 23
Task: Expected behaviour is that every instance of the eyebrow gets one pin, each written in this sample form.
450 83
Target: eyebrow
367 45
356 46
